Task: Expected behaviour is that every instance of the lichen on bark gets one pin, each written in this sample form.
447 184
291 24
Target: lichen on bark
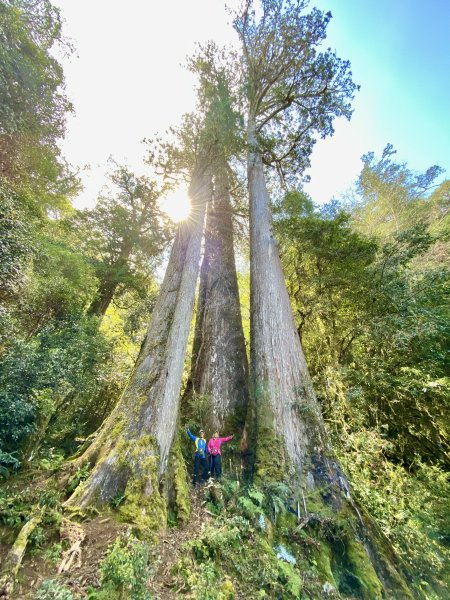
130 454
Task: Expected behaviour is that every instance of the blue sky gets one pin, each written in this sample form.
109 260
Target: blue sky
400 55
126 81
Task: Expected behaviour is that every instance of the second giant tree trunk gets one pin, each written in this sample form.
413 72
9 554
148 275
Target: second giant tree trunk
219 369
131 452
292 442
291 433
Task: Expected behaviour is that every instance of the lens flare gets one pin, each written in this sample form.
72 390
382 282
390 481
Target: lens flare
176 205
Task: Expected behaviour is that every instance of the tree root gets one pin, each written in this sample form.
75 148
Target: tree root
15 556
74 534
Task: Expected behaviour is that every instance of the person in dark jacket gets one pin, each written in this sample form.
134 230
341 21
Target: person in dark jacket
200 458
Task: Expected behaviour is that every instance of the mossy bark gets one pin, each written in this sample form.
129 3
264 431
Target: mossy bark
13 560
291 440
287 412
219 368
219 363
178 488
131 451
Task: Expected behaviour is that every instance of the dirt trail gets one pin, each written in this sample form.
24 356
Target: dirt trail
97 535
162 583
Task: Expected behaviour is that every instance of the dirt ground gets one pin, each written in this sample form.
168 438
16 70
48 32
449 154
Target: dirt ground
95 536
98 534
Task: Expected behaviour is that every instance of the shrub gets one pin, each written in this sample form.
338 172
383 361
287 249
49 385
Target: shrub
125 569
53 590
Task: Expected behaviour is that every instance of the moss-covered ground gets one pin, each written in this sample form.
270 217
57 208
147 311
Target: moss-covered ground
220 541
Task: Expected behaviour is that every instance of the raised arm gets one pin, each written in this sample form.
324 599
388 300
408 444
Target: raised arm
191 435
226 439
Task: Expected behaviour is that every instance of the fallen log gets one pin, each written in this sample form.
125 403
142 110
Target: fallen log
14 558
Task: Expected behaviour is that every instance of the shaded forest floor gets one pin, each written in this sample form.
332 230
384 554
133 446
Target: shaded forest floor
163 584
37 567
96 536
240 542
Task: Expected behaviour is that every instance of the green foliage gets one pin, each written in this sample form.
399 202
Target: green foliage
53 553
232 557
32 101
123 237
53 590
8 462
80 475
37 373
411 508
369 291
38 537
16 244
124 571
293 91
391 197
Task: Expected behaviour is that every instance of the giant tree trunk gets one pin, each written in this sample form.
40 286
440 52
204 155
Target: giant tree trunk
131 452
219 368
292 442
287 409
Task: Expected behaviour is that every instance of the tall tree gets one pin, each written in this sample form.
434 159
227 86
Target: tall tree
391 197
292 93
219 361
33 105
219 368
131 452
123 236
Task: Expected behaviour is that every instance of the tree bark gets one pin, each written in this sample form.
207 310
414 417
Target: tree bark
292 442
286 405
105 294
108 285
219 367
131 452
13 559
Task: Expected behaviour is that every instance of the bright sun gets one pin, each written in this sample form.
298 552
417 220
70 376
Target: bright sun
176 205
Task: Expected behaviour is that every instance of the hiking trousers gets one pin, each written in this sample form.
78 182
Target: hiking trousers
200 465
216 466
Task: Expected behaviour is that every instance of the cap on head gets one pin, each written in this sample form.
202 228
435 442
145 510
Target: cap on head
202 431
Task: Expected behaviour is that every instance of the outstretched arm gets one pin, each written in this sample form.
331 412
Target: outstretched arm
191 435
226 439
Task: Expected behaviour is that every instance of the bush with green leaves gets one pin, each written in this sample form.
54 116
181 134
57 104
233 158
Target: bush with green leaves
53 590
8 463
37 373
124 571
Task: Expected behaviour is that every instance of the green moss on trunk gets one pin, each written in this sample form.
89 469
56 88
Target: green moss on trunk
178 493
270 463
362 569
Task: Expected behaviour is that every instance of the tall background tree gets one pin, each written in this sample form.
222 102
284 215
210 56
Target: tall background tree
124 236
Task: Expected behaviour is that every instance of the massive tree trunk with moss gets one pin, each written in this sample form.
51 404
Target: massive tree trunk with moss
130 455
292 443
219 370
287 408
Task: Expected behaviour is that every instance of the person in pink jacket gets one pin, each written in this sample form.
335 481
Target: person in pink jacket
215 455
